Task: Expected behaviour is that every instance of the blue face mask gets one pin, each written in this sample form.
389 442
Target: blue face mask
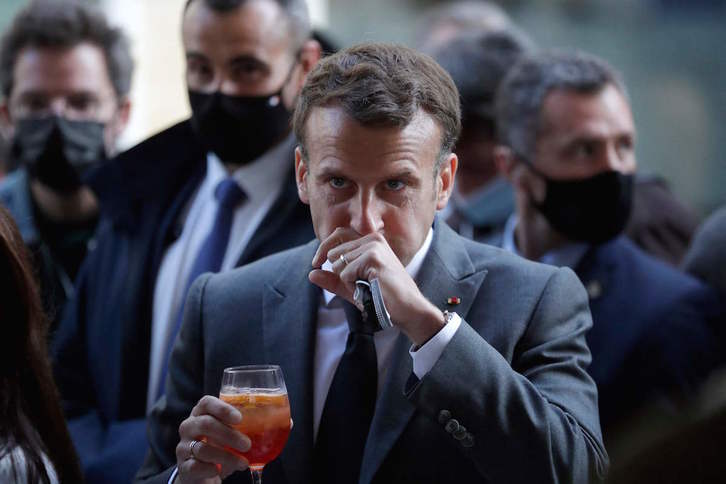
490 207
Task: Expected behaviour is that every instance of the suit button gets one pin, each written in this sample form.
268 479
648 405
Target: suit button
444 416
452 426
460 433
467 441
594 289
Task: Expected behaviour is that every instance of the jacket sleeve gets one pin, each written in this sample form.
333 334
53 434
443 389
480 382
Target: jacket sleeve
183 391
534 419
109 451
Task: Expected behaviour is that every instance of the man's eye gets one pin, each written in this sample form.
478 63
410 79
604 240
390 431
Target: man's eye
200 72
245 70
585 149
395 185
33 104
80 103
248 72
37 105
625 144
338 182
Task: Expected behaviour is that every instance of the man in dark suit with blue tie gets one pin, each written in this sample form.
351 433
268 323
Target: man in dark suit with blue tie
570 156
481 378
208 194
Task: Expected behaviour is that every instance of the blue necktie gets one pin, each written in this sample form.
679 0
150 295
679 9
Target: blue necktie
209 258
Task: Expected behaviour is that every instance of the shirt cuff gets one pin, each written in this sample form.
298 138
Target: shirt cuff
425 357
173 476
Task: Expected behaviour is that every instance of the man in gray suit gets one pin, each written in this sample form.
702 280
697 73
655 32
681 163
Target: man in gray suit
482 376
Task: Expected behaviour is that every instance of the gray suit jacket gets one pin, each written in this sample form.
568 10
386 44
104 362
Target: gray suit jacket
513 375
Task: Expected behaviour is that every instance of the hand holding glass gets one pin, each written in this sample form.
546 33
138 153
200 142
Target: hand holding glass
259 393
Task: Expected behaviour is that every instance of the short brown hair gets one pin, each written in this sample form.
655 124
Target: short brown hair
380 84
54 24
522 93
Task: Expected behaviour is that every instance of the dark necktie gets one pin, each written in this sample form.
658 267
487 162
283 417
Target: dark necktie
210 256
349 406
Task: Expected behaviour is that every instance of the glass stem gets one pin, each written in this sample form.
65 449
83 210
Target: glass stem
256 476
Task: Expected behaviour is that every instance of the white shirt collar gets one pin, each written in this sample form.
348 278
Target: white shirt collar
258 178
413 267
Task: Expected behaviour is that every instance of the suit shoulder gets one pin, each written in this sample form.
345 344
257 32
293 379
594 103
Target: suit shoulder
661 290
660 275
256 274
499 260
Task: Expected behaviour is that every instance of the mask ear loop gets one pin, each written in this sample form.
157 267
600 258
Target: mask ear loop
276 98
526 162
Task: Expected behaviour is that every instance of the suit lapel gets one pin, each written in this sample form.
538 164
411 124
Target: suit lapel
278 216
289 314
447 271
274 222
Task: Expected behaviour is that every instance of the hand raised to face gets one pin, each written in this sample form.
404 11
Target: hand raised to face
370 257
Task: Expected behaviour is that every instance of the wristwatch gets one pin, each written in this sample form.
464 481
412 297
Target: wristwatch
448 316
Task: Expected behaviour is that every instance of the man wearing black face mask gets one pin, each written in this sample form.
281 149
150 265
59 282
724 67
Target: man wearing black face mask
65 76
569 154
208 194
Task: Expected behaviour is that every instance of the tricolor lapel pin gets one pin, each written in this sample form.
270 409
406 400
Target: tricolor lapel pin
453 300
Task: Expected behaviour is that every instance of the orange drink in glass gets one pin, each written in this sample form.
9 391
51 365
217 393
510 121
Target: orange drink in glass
265 420
259 393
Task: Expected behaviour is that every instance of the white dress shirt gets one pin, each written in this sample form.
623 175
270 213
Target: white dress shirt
332 334
261 182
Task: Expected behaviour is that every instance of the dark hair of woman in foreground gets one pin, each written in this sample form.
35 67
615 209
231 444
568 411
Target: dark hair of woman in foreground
31 421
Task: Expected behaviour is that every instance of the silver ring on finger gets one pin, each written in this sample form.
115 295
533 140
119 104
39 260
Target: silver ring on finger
193 444
343 260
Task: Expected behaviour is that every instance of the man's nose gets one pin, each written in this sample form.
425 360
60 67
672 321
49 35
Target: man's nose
57 107
365 217
228 86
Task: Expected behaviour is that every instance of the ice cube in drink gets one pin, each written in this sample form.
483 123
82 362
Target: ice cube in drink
265 420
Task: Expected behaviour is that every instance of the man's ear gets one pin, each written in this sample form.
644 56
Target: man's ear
310 54
445 180
123 114
301 173
518 175
6 124
117 125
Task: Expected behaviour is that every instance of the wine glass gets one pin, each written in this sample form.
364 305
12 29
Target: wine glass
259 393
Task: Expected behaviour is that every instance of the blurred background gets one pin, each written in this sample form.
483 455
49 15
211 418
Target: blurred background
671 53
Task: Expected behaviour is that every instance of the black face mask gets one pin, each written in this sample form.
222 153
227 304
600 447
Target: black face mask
239 129
58 151
592 210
